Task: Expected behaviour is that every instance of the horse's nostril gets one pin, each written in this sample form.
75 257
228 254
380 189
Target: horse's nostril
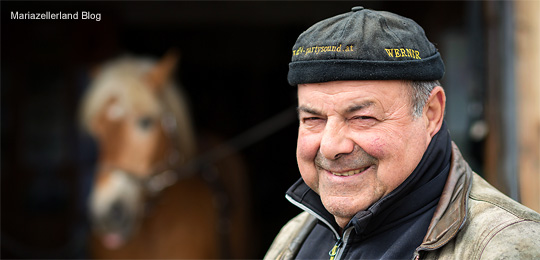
117 213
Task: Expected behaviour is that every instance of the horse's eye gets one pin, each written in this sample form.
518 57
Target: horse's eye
145 122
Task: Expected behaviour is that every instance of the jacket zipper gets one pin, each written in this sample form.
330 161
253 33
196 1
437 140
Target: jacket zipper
334 250
342 244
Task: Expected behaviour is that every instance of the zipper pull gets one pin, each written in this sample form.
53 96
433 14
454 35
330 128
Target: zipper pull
334 250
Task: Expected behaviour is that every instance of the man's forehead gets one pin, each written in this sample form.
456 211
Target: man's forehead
351 96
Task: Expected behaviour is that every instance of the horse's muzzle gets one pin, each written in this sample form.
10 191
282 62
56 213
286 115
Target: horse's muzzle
115 207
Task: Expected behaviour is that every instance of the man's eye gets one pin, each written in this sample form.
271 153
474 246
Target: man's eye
363 117
312 122
362 121
308 119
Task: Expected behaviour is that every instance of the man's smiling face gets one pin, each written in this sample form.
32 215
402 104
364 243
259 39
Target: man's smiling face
357 141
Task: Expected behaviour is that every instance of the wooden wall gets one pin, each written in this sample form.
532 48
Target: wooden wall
527 36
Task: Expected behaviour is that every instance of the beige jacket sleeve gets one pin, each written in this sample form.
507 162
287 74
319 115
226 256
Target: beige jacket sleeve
289 240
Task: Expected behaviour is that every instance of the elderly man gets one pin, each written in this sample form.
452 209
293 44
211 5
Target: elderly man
381 178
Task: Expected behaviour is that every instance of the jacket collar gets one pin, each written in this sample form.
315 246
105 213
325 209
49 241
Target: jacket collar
451 212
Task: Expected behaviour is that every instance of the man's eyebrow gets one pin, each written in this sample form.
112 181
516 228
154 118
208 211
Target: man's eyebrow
307 110
351 109
359 106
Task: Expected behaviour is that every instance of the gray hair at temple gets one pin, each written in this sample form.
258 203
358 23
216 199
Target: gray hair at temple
419 94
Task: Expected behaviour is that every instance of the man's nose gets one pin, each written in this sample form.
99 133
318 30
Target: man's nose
335 141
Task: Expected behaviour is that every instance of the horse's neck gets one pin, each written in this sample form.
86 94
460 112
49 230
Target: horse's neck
183 215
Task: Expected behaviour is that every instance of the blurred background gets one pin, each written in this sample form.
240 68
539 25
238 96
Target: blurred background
233 70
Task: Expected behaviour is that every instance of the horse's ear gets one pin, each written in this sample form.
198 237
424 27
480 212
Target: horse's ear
160 73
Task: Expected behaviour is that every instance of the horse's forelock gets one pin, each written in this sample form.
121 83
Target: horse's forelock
115 79
124 79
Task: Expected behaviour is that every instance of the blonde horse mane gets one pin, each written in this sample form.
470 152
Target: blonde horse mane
124 80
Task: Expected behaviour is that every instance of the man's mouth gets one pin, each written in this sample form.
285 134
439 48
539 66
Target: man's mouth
350 173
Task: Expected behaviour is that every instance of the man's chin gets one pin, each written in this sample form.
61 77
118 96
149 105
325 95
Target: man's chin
342 209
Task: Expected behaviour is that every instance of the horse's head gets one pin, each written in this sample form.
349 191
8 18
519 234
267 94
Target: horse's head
143 131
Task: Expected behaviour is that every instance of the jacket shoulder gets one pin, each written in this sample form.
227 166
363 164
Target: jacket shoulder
290 238
497 227
484 197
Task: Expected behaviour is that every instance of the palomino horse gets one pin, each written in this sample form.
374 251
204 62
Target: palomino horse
150 198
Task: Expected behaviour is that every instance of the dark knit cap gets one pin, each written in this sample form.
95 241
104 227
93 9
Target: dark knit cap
364 45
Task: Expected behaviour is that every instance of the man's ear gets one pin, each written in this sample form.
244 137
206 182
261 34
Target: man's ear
434 110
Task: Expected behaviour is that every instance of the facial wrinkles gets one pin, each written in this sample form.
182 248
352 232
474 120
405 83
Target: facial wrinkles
398 110
401 118
357 159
